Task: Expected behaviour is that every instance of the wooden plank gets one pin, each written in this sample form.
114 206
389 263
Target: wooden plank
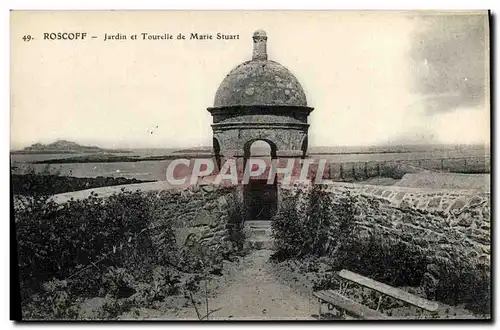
349 306
396 293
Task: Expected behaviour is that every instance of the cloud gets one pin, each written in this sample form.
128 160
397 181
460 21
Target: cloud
461 126
449 56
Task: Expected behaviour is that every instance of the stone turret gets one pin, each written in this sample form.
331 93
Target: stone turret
259 46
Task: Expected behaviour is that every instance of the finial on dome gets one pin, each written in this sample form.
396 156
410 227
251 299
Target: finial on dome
259 45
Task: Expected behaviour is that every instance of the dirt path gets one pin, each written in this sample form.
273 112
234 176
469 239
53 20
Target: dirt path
254 293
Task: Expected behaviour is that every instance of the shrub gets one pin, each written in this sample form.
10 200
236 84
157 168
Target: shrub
465 282
312 223
235 216
383 258
307 227
122 247
56 302
59 240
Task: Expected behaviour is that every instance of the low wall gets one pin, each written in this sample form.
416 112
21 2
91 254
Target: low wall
200 212
201 215
445 222
449 228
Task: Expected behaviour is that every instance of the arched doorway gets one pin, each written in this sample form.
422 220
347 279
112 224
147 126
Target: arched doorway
260 198
304 147
216 149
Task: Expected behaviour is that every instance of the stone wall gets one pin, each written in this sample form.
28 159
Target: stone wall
450 228
200 213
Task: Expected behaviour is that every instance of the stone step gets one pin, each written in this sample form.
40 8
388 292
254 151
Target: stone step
262 237
258 224
261 244
260 234
266 231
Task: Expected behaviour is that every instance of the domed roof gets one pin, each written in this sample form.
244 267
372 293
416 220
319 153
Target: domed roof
260 82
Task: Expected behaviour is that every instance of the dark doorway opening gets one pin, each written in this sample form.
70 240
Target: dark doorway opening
216 147
261 200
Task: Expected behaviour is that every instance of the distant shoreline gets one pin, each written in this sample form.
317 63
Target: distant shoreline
99 158
113 158
116 159
50 152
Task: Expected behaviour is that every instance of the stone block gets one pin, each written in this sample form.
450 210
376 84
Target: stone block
430 285
434 202
204 218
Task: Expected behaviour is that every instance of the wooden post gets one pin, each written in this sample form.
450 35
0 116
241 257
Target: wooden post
442 165
366 170
341 172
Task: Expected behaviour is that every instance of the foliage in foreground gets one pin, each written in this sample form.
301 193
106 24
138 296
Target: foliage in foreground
321 230
121 248
312 222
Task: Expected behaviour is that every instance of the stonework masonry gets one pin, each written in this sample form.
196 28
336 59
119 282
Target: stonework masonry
450 227
262 100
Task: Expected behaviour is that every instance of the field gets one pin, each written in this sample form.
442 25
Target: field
134 251
461 159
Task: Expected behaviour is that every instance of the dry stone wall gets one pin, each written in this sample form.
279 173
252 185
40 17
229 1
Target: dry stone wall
200 213
450 228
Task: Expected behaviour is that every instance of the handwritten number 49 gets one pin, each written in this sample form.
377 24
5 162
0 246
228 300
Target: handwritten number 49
27 38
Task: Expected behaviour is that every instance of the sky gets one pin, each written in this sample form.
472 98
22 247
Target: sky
374 78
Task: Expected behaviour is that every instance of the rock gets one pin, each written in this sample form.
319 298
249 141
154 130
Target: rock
457 205
430 283
475 201
91 309
422 242
210 205
204 218
434 202
443 240
433 269
233 258
222 203
482 238
208 188
465 220
194 202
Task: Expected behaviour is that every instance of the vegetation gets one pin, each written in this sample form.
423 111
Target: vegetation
28 184
122 249
321 232
312 223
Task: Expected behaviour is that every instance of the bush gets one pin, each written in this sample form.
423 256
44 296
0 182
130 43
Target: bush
122 247
383 258
59 240
320 228
465 282
312 223
235 216
56 302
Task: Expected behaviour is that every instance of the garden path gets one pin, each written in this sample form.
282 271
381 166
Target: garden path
254 293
